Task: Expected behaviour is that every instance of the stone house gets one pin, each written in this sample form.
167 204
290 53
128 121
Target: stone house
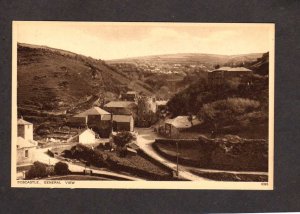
121 108
96 118
218 76
174 126
129 96
123 123
25 151
25 129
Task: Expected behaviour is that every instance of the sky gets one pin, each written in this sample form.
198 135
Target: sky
123 40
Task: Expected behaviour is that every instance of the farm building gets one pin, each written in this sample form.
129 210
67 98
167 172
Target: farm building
129 96
121 107
218 76
174 126
123 123
95 118
161 105
25 151
87 137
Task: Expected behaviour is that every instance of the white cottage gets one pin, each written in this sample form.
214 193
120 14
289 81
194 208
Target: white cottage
87 136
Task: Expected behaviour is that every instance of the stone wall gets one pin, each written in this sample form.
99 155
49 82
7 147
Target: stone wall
228 153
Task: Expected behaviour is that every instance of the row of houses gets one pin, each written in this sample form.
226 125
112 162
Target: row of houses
104 122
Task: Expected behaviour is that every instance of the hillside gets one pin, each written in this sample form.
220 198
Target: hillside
53 81
171 73
191 58
244 98
261 65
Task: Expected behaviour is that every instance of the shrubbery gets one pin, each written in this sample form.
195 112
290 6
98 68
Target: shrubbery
122 138
41 170
82 152
37 170
229 112
61 168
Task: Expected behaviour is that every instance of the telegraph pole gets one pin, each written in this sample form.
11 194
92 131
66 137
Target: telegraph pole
177 154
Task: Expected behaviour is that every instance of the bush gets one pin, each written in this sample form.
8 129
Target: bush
232 111
50 153
82 152
37 170
122 138
61 168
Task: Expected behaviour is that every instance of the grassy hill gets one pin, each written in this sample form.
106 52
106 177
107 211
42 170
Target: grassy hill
239 106
54 84
55 79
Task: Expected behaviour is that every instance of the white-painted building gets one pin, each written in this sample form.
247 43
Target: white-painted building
88 136
25 129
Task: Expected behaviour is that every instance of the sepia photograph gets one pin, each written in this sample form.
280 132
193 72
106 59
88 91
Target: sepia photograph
142 105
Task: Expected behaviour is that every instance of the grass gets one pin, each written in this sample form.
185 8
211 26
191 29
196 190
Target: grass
138 163
248 156
190 153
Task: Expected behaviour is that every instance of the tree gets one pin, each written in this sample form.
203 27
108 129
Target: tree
61 168
37 170
228 112
145 116
121 140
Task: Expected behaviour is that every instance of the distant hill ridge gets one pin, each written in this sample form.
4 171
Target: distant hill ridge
191 58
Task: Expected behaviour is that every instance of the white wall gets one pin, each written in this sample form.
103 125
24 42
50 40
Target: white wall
86 138
25 131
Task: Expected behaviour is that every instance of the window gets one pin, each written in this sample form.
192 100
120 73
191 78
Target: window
26 153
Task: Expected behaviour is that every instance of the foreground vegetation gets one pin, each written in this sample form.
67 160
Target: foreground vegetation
138 165
239 107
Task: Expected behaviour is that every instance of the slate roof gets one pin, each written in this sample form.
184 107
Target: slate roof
131 92
161 102
22 143
232 69
118 104
122 118
87 130
182 122
23 122
92 111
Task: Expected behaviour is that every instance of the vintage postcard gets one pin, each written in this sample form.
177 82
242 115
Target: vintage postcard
143 105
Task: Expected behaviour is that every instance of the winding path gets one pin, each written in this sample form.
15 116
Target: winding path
145 138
